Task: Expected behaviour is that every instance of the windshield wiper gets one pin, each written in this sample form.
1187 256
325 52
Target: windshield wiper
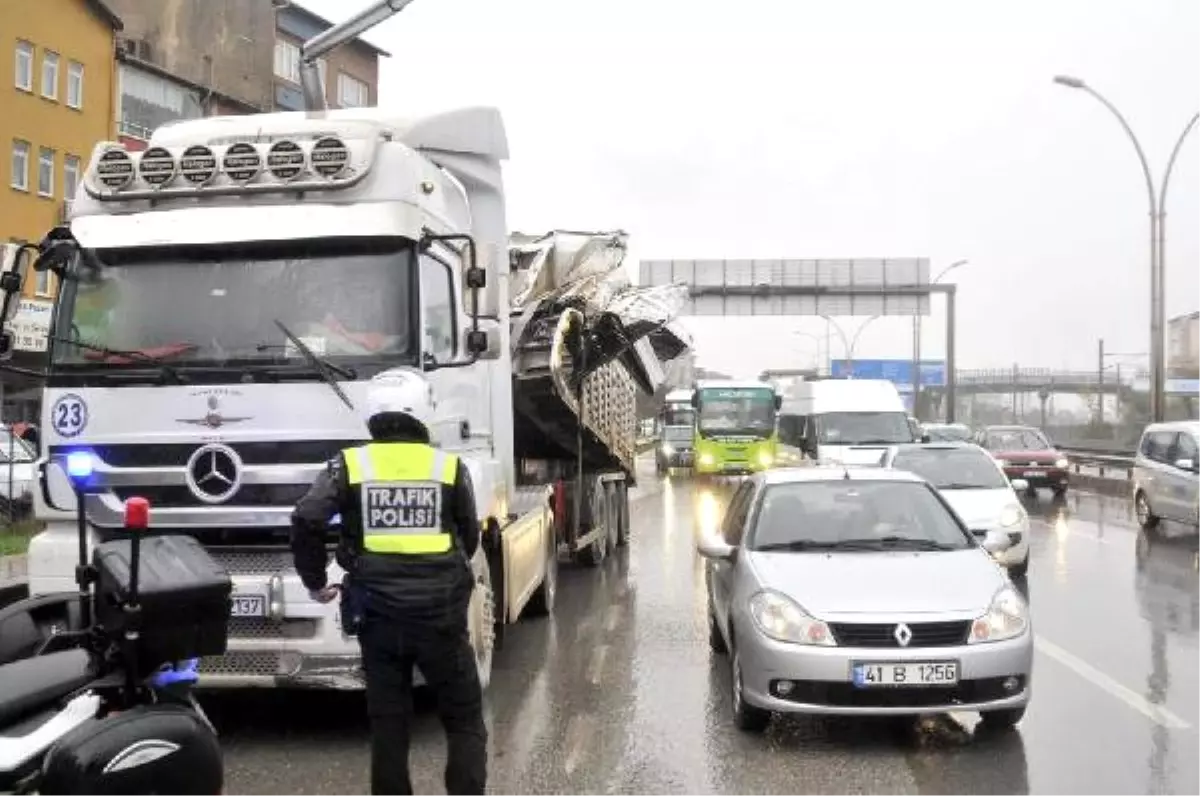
911 542
800 545
165 369
324 368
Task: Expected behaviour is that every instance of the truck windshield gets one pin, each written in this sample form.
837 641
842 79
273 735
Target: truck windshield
741 412
349 297
863 428
678 415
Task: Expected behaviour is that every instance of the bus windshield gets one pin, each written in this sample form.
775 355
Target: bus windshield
737 411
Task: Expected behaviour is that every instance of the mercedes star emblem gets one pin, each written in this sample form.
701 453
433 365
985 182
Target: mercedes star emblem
903 634
214 473
213 417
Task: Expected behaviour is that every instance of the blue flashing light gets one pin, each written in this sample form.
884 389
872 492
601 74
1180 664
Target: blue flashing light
80 465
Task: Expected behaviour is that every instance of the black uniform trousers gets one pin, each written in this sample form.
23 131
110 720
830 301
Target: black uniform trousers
390 649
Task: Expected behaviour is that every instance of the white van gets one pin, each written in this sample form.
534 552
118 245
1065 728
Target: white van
853 421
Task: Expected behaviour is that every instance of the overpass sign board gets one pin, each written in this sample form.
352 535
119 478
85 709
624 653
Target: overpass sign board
870 286
897 371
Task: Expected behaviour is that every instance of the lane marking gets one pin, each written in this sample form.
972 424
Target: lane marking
595 669
1156 713
611 617
580 729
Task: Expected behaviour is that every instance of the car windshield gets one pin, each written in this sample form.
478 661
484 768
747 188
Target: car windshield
14 449
341 297
952 468
677 415
863 428
868 515
677 433
948 433
1017 439
737 411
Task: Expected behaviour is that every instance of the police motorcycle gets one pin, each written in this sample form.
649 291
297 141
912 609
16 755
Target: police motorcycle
95 687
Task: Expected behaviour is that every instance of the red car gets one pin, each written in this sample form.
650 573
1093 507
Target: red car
1027 454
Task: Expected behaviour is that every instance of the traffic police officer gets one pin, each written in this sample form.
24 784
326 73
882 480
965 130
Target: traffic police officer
409 530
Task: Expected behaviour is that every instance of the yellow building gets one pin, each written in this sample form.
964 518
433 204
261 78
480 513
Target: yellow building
58 99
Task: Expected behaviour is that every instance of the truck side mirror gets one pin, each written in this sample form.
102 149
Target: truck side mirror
477 342
778 402
695 401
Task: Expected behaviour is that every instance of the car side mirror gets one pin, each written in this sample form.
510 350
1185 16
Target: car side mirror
715 547
993 541
1020 484
926 438
1186 464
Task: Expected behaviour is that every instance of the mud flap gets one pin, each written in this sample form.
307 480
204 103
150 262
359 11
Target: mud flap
493 551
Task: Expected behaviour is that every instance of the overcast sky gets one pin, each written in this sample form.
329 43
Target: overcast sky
799 129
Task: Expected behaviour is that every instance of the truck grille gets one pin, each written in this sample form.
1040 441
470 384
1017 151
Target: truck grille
247 664
252 562
267 629
174 497
924 634
176 454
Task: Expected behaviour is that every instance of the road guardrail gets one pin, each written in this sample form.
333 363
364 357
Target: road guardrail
1112 462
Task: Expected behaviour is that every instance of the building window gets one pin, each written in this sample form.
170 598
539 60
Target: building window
43 286
20 165
45 172
70 176
287 61
24 66
50 75
352 93
75 84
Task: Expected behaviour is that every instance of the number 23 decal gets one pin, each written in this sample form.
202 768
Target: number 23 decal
69 415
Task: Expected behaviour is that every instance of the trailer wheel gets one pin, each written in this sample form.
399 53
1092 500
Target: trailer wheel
594 554
622 491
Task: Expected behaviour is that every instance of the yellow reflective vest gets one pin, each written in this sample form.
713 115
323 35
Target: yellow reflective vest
400 487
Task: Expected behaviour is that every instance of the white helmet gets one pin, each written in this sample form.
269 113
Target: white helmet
401 391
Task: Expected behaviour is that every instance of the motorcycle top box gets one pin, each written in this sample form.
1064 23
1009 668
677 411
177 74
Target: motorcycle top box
183 596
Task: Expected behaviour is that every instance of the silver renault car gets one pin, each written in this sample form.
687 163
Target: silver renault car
858 591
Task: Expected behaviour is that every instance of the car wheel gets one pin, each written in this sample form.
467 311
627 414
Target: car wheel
1145 517
745 717
1020 570
715 640
1001 719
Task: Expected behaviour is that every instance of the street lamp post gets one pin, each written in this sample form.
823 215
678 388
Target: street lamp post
916 376
847 344
1157 243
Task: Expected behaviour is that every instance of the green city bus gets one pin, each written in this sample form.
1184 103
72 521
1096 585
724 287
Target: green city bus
735 427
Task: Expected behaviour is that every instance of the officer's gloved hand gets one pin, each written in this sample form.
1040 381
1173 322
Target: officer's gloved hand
326 594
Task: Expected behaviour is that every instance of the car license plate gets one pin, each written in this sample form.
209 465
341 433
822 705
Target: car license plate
249 605
867 675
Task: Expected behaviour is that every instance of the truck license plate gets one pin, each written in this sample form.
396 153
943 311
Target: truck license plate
867 675
249 605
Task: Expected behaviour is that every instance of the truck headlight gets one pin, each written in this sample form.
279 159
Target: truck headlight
781 618
1062 464
667 449
1007 617
1011 515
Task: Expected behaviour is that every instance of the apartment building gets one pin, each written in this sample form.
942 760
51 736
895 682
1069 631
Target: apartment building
349 74
57 101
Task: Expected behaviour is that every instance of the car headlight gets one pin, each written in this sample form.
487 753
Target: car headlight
1008 617
706 458
667 449
1011 515
1002 462
765 458
779 617
1062 464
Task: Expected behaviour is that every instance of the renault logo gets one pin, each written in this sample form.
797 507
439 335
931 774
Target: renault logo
902 634
214 473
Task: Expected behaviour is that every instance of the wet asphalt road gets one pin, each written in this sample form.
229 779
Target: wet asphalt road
618 693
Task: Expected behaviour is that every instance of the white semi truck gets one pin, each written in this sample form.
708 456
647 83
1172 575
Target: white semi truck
227 294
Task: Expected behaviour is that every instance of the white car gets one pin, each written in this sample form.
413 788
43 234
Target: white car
975 486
